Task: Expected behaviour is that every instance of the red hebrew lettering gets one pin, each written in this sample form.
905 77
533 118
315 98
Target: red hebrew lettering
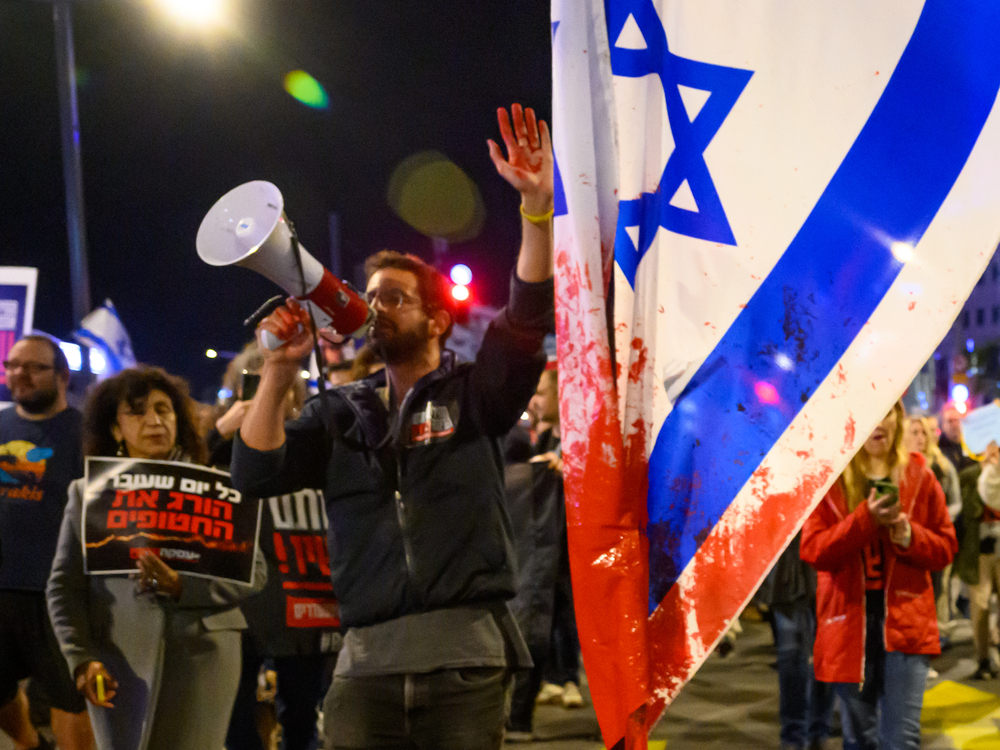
203 523
147 519
147 498
132 517
307 545
279 550
223 528
162 523
199 503
296 541
117 519
322 556
119 494
179 522
176 501
227 510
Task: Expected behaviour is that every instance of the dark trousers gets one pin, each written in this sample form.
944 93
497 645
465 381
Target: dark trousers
804 704
563 664
300 688
527 683
450 709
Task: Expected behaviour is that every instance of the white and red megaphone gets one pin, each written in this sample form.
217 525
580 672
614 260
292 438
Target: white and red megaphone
247 227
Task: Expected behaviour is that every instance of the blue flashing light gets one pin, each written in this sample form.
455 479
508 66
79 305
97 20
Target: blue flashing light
959 392
970 345
98 362
73 355
461 274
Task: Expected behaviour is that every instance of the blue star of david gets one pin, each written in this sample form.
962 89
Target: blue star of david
653 210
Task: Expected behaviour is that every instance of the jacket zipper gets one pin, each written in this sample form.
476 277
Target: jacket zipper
400 505
864 622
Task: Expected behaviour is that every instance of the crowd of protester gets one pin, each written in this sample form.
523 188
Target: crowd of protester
448 558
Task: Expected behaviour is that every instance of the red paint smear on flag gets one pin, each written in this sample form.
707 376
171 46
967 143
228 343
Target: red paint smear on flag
849 428
605 482
730 563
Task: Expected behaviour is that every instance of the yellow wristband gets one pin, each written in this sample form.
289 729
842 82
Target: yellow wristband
540 219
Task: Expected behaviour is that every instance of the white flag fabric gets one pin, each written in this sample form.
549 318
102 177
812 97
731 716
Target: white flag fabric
806 193
103 329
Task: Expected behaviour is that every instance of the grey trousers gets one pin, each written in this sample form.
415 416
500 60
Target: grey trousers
450 709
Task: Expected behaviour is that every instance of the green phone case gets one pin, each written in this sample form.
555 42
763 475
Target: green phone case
886 487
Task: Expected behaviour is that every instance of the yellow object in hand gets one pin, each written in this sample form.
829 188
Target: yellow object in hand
100 688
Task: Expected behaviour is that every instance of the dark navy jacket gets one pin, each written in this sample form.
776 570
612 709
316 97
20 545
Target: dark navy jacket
416 508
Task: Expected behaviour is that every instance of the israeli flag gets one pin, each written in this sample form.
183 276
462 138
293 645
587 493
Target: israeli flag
102 329
799 198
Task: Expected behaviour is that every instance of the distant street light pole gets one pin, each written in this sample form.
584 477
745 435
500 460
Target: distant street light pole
72 166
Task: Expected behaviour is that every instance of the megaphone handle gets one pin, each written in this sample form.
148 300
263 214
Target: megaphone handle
269 341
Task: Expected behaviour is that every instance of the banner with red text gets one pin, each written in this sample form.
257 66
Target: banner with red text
190 516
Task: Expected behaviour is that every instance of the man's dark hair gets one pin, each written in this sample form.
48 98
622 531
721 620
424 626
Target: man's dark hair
132 386
435 291
59 360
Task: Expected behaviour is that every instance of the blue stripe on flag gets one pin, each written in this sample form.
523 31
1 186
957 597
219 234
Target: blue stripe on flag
829 281
559 207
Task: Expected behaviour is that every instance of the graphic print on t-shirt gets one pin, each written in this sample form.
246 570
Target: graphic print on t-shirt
22 469
873 566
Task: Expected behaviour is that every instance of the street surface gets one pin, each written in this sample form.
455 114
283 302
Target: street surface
733 703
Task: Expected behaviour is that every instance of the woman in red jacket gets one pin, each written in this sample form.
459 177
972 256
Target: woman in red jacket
876 619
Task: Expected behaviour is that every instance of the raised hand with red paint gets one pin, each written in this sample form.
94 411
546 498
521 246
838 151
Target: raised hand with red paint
529 169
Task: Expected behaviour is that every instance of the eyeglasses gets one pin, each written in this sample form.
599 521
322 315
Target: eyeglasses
391 298
32 368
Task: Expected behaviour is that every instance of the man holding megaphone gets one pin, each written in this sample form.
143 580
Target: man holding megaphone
420 550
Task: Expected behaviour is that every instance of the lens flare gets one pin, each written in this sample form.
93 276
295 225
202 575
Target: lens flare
766 392
459 292
306 89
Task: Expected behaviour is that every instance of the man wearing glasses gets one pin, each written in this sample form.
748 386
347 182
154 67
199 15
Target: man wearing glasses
39 456
420 544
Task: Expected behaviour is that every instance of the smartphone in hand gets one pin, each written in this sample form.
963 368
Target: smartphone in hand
886 487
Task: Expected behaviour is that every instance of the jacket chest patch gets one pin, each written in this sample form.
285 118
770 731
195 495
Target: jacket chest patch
431 424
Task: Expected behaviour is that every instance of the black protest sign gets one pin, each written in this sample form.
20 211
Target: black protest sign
297 542
190 516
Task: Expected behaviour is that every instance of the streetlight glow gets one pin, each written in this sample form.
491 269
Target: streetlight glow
211 353
201 12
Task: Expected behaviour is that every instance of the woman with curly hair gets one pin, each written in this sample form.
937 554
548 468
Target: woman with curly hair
166 646
873 540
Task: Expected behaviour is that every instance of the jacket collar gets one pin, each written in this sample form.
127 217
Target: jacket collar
363 399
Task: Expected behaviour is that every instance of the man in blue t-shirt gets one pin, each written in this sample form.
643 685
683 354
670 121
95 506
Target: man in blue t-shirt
40 455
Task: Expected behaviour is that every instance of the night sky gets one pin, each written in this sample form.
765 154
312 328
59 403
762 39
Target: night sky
172 118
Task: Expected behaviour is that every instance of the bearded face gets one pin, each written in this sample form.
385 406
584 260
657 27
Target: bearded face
396 345
32 379
402 328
